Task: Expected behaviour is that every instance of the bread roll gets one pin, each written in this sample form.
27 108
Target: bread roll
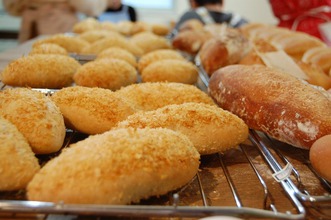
210 128
320 56
95 35
157 55
148 42
91 110
118 53
106 73
274 102
226 49
320 154
118 167
87 24
50 71
150 96
17 161
160 29
48 48
190 41
180 71
70 43
36 117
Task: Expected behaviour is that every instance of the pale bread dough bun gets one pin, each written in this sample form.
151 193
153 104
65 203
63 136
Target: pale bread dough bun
118 53
107 73
320 154
17 161
210 128
48 48
36 117
117 167
157 55
91 110
180 71
71 43
150 96
50 71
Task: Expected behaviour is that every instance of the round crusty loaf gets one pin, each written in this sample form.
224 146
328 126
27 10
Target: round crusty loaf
91 110
50 71
17 161
274 102
150 96
117 167
210 128
36 117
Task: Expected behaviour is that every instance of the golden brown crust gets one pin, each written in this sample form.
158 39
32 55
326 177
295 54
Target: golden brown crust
225 49
41 71
170 71
157 55
319 56
48 48
276 103
36 117
126 165
91 110
17 161
70 43
118 53
190 41
107 73
95 35
148 42
191 24
210 128
150 96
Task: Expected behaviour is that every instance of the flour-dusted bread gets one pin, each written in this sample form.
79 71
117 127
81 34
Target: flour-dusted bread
35 116
91 110
117 167
210 128
274 102
18 164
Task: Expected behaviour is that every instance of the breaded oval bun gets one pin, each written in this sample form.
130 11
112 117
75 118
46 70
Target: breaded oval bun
170 71
50 71
36 117
91 110
108 73
210 128
148 41
72 44
48 48
150 96
118 53
95 35
157 55
126 165
17 161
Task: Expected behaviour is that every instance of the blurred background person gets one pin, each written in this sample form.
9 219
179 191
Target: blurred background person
45 17
302 15
210 11
116 11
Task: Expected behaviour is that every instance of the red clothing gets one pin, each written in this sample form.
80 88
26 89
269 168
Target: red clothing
299 14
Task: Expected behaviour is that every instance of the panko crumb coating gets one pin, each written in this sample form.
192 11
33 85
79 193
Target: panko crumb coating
117 167
107 73
180 71
118 53
48 48
150 96
210 128
157 55
50 71
91 110
18 164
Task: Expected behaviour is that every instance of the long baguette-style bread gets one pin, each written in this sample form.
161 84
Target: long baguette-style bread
274 102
